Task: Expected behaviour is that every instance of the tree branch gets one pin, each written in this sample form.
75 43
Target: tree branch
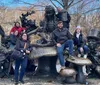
70 3
88 3
91 10
58 2
34 5
53 3
65 2
76 2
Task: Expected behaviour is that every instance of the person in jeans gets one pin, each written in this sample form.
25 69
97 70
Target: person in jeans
80 42
62 38
81 46
22 45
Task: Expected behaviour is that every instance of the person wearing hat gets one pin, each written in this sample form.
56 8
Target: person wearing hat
80 43
62 39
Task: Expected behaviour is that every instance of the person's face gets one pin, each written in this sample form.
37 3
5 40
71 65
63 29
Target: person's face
17 25
60 25
16 33
24 36
78 30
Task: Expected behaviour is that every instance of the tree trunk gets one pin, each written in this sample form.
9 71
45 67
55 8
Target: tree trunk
65 2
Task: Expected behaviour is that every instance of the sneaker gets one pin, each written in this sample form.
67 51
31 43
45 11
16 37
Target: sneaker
63 67
21 81
79 55
85 56
71 57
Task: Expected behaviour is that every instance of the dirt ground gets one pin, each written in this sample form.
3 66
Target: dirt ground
32 80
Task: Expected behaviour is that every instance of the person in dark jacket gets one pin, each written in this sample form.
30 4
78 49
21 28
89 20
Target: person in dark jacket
64 16
62 38
79 42
22 45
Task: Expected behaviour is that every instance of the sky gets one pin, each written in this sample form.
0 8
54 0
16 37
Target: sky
11 3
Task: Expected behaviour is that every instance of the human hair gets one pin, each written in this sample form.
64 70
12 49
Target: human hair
59 22
23 34
76 32
16 23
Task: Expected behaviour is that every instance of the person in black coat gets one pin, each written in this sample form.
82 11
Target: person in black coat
79 42
22 45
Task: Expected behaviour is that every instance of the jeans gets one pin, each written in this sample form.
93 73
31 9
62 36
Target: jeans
23 64
85 49
68 43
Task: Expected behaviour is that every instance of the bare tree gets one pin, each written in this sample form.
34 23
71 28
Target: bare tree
80 10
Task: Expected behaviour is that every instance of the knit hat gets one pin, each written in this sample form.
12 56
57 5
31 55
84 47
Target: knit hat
78 27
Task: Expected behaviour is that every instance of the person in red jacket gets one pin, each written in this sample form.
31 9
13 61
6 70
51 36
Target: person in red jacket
15 32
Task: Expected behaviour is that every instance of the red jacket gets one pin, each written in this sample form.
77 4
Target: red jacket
20 29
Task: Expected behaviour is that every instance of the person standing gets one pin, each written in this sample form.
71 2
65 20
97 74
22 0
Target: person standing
64 16
22 45
62 38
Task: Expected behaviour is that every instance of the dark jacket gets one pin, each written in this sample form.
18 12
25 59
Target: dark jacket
20 46
13 39
79 42
64 16
61 36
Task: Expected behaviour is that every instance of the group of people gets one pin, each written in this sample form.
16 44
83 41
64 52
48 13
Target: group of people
15 32
20 39
61 37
